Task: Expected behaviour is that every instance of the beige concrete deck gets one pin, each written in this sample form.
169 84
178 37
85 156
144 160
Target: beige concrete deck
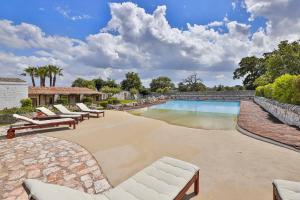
233 166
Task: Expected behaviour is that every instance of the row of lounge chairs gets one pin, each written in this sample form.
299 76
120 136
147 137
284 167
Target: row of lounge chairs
51 119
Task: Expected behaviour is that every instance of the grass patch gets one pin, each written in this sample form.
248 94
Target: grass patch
127 101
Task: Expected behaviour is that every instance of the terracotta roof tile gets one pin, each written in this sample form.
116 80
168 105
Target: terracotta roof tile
61 90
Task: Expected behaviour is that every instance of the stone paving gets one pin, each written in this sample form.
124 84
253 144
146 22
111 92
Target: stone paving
50 160
257 121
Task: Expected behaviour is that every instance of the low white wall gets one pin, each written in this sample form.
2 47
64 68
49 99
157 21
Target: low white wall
286 113
11 93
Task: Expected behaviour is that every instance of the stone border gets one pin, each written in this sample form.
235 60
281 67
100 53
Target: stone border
286 113
264 139
51 160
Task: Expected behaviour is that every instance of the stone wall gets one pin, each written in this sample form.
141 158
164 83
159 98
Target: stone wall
11 93
214 95
286 113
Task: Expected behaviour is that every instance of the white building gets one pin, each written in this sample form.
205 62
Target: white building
12 90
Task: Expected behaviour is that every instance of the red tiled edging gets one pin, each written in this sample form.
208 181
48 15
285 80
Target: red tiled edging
50 160
258 123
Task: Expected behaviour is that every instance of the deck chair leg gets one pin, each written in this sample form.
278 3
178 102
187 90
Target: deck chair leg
10 134
196 184
74 125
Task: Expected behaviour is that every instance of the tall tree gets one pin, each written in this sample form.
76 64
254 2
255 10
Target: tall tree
251 68
80 82
42 72
100 83
192 83
161 82
57 71
131 81
31 71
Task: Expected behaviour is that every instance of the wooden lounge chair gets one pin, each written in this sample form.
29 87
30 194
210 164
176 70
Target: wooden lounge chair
84 108
65 111
37 124
51 115
165 179
286 190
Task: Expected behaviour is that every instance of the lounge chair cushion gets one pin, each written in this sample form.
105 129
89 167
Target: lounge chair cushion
84 108
64 110
41 122
46 111
163 180
288 190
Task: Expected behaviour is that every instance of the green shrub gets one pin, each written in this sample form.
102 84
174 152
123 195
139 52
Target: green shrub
63 101
259 91
87 100
133 91
113 101
103 104
268 90
296 88
22 110
26 102
284 90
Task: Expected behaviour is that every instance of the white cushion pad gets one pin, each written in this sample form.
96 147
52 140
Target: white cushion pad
163 180
288 190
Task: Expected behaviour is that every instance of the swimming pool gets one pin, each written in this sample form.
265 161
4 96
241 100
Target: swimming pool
195 114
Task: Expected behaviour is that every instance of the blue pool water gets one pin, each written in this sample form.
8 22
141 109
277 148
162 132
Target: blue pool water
224 107
195 114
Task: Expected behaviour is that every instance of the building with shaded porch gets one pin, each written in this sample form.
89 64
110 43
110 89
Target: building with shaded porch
49 95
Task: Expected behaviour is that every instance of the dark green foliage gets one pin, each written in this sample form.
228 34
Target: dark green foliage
103 104
132 80
113 101
100 83
26 103
192 83
144 91
261 71
251 68
79 82
87 100
63 101
22 110
161 83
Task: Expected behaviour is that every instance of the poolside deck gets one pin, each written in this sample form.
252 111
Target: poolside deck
232 166
257 121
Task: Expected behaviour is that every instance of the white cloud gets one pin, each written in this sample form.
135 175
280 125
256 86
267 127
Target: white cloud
134 40
67 14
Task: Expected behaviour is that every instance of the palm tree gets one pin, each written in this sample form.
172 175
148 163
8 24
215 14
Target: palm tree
42 72
51 72
31 71
56 72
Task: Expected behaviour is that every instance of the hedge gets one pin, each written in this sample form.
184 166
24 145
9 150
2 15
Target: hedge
285 89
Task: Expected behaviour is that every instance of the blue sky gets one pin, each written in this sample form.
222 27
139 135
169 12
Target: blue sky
48 14
101 38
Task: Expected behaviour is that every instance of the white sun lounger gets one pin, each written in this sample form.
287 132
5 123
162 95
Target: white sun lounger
84 108
165 179
286 190
49 113
37 124
65 111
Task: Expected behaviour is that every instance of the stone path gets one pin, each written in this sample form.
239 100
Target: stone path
50 160
257 121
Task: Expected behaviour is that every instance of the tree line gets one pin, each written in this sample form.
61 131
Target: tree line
260 71
43 72
161 84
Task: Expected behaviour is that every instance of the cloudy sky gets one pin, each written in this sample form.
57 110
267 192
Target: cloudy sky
102 38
